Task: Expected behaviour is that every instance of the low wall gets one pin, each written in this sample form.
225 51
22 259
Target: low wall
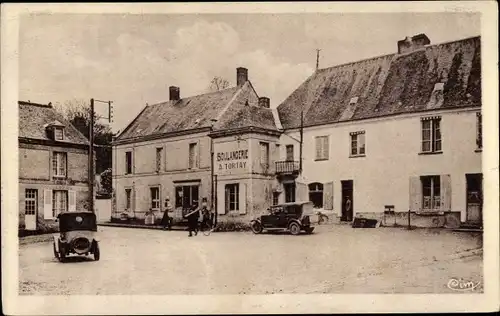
448 219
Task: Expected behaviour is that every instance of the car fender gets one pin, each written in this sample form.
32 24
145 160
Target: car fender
294 221
257 220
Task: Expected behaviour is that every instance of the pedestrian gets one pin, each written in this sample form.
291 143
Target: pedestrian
207 216
192 217
166 220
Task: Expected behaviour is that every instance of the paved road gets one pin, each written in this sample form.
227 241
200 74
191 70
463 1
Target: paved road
335 259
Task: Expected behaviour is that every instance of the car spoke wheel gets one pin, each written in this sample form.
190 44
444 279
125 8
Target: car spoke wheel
97 252
256 228
294 228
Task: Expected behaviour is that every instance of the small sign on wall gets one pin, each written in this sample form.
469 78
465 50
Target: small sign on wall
234 160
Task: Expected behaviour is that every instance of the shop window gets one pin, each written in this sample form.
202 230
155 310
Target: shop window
185 196
316 194
155 198
431 135
358 144
431 193
232 197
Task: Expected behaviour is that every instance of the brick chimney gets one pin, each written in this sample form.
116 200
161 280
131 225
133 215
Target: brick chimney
264 102
174 93
410 44
241 76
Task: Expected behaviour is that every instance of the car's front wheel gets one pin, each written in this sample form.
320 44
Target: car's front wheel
256 227
294 228
97 252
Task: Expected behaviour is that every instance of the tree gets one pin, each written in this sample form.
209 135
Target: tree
77 112
218 83
106 180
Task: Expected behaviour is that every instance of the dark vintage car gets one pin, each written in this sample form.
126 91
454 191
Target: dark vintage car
293 217
77 235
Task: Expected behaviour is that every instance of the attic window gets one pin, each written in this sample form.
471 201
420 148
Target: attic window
353 100
58 133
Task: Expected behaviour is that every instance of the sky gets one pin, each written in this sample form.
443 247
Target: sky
133 59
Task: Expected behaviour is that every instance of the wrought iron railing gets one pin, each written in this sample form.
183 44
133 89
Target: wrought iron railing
287 167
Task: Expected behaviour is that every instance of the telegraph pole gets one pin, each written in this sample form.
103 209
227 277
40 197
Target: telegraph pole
91 149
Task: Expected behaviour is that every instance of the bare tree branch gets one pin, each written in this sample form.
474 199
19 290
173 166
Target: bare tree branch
218 83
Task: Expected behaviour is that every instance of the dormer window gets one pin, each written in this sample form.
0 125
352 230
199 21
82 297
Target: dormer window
58 133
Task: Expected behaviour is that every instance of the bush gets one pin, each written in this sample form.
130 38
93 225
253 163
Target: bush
231 226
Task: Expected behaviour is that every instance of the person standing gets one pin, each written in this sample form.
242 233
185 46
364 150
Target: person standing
192 218
166 221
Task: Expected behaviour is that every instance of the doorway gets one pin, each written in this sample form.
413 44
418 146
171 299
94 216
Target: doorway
347 200
474 193
30 208
289 192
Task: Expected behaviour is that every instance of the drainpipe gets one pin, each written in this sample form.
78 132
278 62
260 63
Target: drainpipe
212 186
301 139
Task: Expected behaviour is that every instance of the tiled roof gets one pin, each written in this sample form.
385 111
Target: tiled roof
390 84
33 118
227 106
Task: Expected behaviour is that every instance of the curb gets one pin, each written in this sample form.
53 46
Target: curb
154 227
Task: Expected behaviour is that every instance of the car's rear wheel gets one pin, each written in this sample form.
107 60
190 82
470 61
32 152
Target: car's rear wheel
97 252
294 228
256 228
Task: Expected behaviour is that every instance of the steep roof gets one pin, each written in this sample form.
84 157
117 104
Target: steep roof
34 118
227 106
391 84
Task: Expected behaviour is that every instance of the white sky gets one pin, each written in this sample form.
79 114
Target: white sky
132 59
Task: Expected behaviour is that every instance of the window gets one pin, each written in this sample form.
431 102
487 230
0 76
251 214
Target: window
193 155
155 198
59 164
128 162
322 147
431 193
289 152
30 201
59 202
58 133
185 195
358 143
264 154
431 134
159 154
316 194
276 196
479 130
128 199
289 192
232 197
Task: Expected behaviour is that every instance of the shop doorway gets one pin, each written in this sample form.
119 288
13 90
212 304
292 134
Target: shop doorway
474 193
347 200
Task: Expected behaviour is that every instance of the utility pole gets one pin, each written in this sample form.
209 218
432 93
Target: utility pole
301 138
91 149
317 59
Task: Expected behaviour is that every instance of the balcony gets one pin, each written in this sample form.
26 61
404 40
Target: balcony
284 168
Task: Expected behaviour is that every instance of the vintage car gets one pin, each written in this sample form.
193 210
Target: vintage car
77 235
294 217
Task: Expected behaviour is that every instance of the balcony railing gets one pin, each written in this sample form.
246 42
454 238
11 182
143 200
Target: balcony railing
287 167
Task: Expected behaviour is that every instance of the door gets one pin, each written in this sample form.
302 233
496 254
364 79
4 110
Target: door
289 192
30 209
347 200
474 198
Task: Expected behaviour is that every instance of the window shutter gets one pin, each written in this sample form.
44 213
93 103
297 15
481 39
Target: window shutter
319 150
415 194
71 201
243 198
221 200
302 192
328 196
132 202
47 204
326 148
445 192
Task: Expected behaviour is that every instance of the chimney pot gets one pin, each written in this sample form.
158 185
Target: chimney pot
264 102
174 93
241 76
410 44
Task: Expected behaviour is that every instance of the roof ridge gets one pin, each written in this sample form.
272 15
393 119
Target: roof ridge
194 96
35 104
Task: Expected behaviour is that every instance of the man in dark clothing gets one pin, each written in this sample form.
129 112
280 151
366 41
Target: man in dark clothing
192 218
166 221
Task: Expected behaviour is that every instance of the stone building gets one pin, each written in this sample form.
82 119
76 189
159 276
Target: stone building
397 132
53 167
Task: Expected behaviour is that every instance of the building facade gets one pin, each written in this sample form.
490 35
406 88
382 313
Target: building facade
393 134
53 167
387 137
